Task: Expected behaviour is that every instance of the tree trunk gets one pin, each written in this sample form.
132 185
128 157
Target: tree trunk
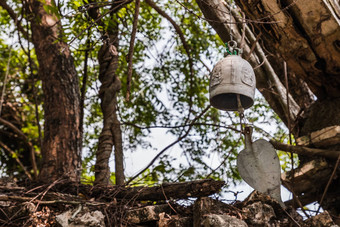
111 134
306 35
61 149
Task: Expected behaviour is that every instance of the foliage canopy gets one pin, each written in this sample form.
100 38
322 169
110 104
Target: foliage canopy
166 95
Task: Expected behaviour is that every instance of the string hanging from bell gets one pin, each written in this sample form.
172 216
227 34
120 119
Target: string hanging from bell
231 49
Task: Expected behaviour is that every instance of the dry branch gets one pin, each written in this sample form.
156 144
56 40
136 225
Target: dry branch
166 191
131 49
47 202
26 140
180 190
329 183
14 155
305 199
186 47
177 29
305 150
170 145
11 188
14 16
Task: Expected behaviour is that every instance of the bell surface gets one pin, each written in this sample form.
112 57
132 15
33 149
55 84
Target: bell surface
232 76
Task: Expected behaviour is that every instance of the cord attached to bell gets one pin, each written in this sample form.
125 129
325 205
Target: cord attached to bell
232 49
240 110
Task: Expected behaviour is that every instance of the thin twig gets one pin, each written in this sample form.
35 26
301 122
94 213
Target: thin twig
48 202
43 193
288 123
166 198
22 135
14 16
205 66
32 151
186 48
10 188
5 79
296 198
181 126
13 127
170 145
253 47
5 213
131 50
14 155
287 97
97 20
262 63
243 31
328 183
291 218
84 83
225 159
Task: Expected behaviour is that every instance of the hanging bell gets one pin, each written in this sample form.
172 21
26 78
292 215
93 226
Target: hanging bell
231 79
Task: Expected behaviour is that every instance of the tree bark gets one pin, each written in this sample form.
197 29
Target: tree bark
61 149
306 36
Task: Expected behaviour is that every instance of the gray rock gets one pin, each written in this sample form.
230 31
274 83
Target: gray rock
217 220
259 214
81 218
321 220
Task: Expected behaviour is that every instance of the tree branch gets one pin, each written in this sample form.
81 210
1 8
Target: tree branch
177 190
182 126
300 150
25 138
176 27
328 183
14 16
170 145
37 118
131 49
48 202
13 127
185 45
13 154
84 83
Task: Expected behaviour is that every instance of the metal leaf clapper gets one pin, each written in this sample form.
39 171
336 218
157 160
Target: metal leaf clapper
259 166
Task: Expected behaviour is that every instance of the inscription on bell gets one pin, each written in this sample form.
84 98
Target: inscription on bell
216 77
248 75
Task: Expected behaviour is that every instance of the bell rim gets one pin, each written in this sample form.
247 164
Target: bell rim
250 103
